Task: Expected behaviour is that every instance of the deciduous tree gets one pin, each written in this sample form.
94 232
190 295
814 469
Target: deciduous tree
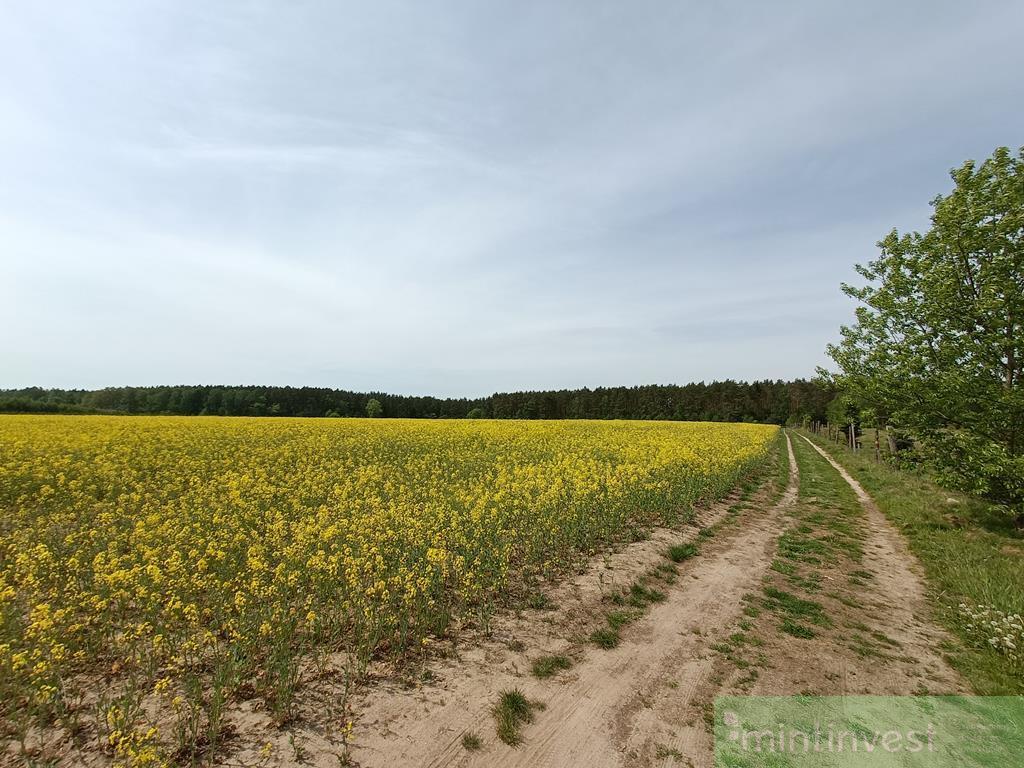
937 347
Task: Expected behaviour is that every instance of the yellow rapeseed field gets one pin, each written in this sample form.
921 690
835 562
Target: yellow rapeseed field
184 558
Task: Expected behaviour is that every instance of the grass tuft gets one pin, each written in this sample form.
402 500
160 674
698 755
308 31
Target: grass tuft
641 596
546 666
680 552
795 629
796 607
539 602
605 638
512 711
618 619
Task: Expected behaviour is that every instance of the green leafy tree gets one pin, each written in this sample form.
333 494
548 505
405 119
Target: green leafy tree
476 413
374 408
937 346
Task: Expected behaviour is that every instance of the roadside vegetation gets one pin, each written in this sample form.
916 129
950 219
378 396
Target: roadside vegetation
937 349
821 541
971 552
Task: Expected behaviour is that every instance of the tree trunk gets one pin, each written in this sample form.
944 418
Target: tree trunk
1011 375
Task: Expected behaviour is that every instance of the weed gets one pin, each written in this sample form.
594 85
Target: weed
539 601
546 666
791 627
512 711
618 619
786 569
641 595
796 607
680 552
886 640
605 638
661 752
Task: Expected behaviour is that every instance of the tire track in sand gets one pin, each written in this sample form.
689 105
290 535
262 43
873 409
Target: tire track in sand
594 718
900 583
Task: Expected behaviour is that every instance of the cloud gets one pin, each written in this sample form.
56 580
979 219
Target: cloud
469 197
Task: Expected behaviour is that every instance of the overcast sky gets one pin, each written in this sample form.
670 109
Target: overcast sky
462 197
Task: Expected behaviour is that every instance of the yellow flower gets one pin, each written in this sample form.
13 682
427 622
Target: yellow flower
176 543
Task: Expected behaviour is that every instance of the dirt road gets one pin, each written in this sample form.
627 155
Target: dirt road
810 591
599 714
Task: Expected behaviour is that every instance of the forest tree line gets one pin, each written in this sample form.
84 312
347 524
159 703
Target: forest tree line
777 402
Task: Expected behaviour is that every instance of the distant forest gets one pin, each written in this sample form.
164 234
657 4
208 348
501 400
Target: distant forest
776 402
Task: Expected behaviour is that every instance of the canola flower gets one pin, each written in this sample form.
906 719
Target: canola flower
187 556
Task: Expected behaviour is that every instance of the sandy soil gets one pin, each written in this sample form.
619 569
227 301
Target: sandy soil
599 713
649 701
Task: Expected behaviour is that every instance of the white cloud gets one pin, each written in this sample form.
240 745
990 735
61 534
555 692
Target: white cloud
469 197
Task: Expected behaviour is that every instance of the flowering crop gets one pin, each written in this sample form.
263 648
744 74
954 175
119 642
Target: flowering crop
185 558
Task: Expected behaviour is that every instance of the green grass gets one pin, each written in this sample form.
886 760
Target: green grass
680 552
618 619
606 637
539 602
786 569
971 553
805 549
640 595
827 529
666 572
547 666
795 607
512 711
796 629
471 742
778 470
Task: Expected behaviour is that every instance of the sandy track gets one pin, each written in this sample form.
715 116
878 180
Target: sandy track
647 702
599 714
901 597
